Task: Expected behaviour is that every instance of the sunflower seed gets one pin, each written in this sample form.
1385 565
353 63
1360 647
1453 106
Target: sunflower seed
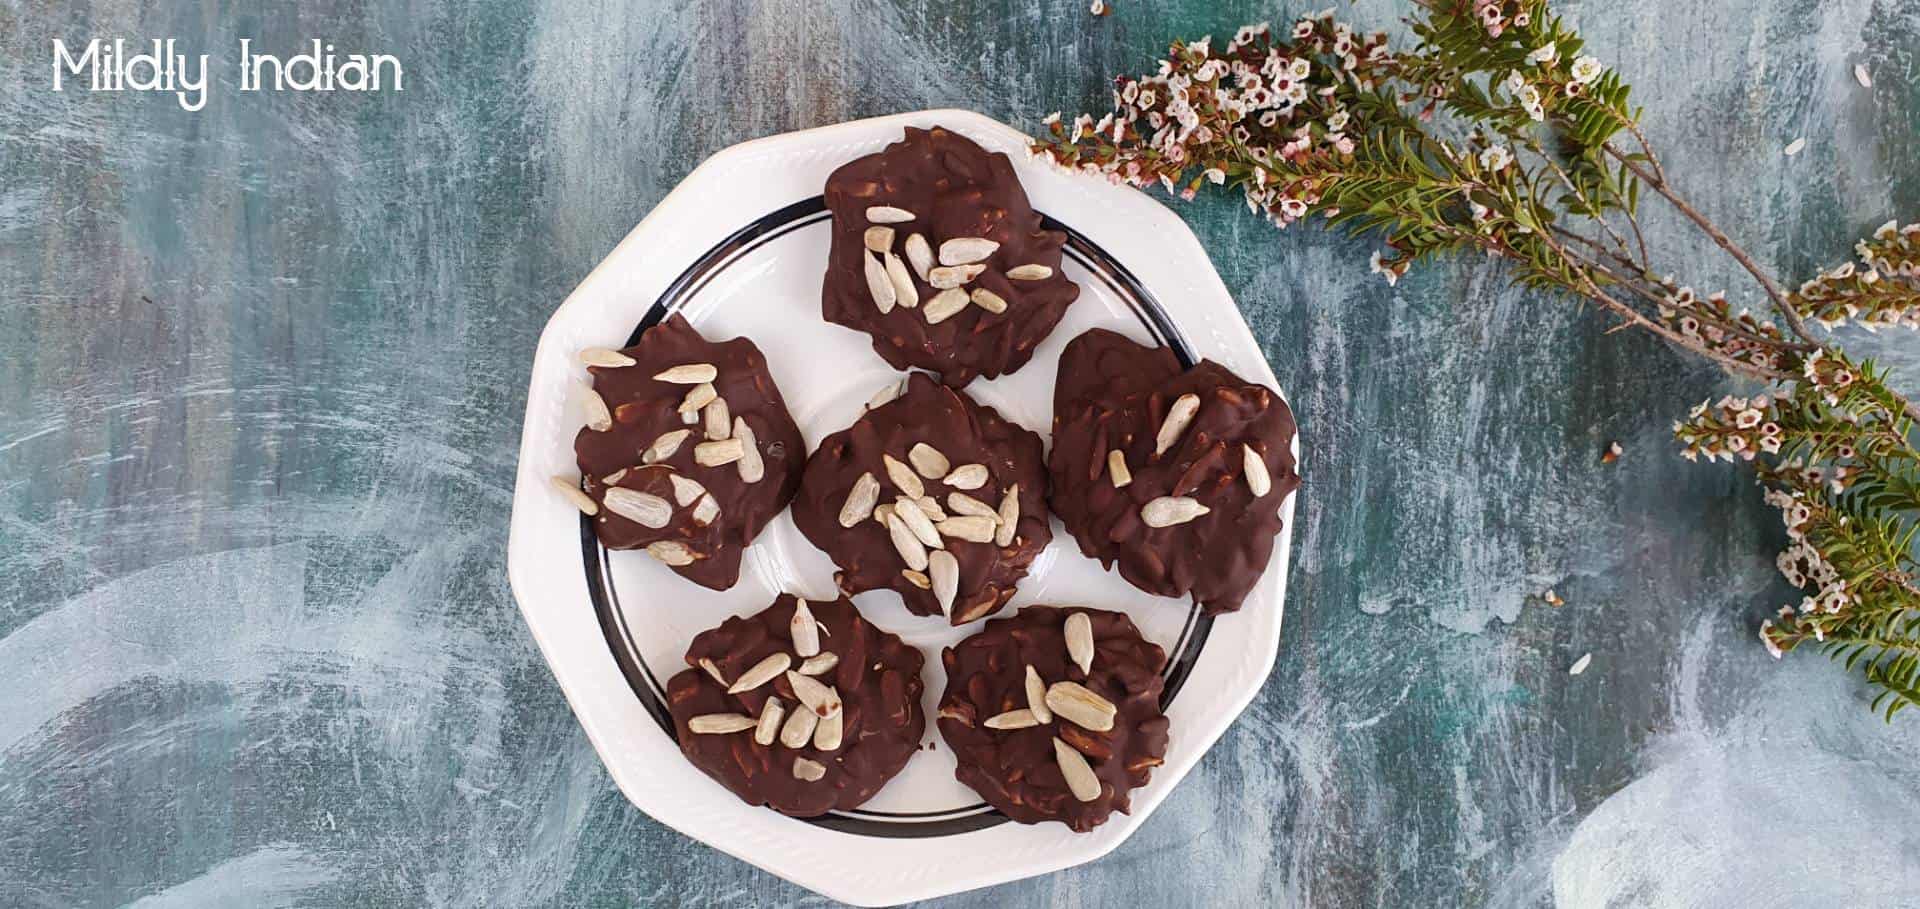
689 374
602 356
988 300
967 476
887 214
819 664
953 276
670 552
1037 695
1861 75
664 447
902 280
1030 272
1013 719
966 250
804 630
686 490
961 503
570 489
945 305
614 478
886 394
808 771
931 507
1117 471
917 578
752 466
762 672
957 714
716 454
689 418
713 669
1167 511
903 477
1080 641
826 736
919 255
972 528
908 512
1073 702
698 397
798 730
720 723
820 699
719 420
1078 773
705 512
599 418
883 514
1178 417
878 239
642 508
1009 517
771 713
928 461
879 285
860 500
945 570
1255 468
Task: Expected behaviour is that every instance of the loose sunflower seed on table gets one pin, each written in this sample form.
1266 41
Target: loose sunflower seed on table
570 490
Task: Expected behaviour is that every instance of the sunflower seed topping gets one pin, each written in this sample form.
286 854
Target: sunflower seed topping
716 454
879 285
928 461
966 250
917 521
686 490
1117 471
887 214
961 503
1167 511
1073 702
1037 695
886 394
689 374
860 500
945 570
1009 517
570 490
903 477
1013 719
689 418
1178 417
819 664
919 255
614 478
752 466
798 730
988 300
1079 774
664 447
720 723
762 672
878 239
972 528
706 511
826 736
804 629
931 506
670 552
1079 634
902 281
1254 467
953 276
719 419
967 476
713 670
603 356
1030 272
906 543
820 699
698 397
945 305
599 418
808 771
642 508
768 727
883 514
917 578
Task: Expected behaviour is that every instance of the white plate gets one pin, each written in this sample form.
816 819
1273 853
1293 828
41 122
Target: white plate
740 248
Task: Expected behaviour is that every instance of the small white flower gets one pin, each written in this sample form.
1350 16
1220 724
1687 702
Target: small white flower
1379 267
1586 69
1748 419
1545 53
1514 83
1337 121
1767 639
1216 176
1496 158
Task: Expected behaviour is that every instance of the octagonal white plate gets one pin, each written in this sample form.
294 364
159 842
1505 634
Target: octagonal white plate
740 248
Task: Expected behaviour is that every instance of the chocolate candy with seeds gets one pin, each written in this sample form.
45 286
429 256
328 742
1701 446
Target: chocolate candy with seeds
1176 476
865 502
875 680
967 283
660 450
1014 761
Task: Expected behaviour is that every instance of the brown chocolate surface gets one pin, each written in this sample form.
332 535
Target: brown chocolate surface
644 408
954 188
965 432
877 678
1114 394
1015 770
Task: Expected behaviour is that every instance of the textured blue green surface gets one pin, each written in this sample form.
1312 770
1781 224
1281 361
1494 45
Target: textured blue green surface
261 377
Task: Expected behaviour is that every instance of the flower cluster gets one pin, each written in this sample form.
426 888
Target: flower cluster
1731 428
1712 321
1880 291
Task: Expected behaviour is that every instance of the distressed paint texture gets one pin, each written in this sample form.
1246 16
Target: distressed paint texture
260 387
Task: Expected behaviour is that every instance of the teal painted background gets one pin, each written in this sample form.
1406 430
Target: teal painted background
261 378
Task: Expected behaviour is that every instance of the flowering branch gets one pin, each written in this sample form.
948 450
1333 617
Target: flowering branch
1496 134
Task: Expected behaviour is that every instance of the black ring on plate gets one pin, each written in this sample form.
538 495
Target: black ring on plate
606 602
